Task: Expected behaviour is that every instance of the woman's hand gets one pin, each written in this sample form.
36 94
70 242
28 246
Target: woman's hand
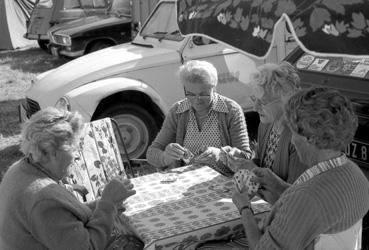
241 199
271 186
173 152
116 191
210 155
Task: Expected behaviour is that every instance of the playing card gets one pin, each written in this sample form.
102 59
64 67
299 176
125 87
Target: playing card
169 177
188 156
243 178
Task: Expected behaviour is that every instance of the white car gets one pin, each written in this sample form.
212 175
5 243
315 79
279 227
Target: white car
136 83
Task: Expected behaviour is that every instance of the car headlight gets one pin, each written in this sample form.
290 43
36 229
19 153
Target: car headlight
63 104
64 40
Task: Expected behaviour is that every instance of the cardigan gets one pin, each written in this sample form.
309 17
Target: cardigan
232 127
287 164
328 203
37 213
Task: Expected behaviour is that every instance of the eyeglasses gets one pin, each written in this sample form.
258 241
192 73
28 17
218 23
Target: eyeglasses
191 96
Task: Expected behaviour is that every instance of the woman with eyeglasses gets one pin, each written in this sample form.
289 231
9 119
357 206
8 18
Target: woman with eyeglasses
201 124
273 84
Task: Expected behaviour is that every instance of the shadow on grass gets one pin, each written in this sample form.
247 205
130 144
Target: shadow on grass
8 156
33 60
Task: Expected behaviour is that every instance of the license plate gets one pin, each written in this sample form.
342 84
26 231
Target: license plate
358 151
54 51
22 114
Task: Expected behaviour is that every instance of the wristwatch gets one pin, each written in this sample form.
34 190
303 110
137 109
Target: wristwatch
248 206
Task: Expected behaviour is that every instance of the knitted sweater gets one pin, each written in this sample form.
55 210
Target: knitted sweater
37 213
286 163
328 203
232 127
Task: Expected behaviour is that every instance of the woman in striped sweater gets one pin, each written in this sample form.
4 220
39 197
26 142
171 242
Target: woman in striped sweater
330 197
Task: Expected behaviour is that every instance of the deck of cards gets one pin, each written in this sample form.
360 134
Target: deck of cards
242 178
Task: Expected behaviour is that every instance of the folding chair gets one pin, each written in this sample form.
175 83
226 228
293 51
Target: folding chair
99 160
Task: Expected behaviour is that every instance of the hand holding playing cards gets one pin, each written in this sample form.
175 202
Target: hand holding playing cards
173 152
241 198
271 186
210 155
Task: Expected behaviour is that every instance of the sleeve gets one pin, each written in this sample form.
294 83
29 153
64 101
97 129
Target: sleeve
56 226
238 131
295 225
166 135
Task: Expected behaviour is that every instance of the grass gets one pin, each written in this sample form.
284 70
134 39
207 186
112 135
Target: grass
18 69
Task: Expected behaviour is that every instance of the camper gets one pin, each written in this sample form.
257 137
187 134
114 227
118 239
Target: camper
47 13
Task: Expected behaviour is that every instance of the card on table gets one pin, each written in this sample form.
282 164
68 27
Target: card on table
242 178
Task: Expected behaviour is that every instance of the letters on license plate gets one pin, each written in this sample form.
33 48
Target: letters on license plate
358 151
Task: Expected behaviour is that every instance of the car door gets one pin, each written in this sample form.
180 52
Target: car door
233 68
42 17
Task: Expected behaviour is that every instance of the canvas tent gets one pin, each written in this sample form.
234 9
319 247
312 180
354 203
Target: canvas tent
13 17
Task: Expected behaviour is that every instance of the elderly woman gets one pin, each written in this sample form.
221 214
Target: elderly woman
273 84
203 122
36 211
331 196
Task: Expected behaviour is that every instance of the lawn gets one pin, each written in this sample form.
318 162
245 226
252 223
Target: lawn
18 69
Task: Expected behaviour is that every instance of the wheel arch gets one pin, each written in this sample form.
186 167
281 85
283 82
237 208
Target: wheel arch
133 97
94 41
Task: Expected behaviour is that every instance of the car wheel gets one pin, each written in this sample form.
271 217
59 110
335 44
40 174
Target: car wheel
137 126
98 46
43 44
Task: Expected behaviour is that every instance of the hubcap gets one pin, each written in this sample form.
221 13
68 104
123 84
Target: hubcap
135 134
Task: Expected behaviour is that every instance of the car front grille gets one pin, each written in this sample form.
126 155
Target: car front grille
30 106
58 39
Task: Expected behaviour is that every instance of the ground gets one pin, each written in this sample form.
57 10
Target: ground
18 68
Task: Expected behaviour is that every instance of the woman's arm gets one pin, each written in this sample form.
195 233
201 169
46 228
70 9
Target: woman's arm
166 135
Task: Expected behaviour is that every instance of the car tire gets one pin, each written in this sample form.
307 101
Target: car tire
98 46
43 44
137 126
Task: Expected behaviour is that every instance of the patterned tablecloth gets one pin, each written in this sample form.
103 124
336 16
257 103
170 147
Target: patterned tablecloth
197 206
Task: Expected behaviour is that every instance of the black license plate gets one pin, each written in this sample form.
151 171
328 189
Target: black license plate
358 151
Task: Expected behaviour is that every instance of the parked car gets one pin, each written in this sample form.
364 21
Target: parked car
89 34
136 83
47 13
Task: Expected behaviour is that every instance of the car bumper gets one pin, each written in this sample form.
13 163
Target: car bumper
71 53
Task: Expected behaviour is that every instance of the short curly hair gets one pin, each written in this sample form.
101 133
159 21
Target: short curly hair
323 114
49 128
197 71
280 80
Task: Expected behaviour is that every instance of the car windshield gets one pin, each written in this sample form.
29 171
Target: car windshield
45 4
163 23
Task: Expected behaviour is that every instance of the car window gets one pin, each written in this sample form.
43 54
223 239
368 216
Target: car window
163 23
72 4
87 4
201 40
45 4
99 4
123 6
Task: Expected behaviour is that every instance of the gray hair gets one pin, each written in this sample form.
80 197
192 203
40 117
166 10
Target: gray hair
200 72
277 80
322 114
49 128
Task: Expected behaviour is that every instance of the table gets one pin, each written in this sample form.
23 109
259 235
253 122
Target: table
177 215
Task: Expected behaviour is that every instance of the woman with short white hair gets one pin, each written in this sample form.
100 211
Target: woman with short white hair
201 124
36 210
272 85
